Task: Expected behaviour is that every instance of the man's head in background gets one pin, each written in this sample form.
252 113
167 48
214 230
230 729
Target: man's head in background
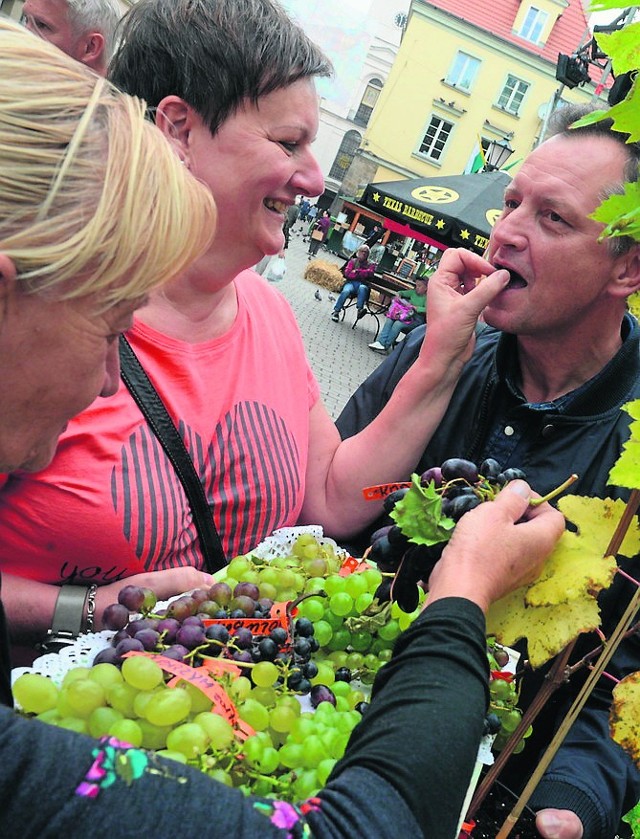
83 29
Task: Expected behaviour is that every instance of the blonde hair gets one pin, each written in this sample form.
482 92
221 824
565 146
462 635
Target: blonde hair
93 200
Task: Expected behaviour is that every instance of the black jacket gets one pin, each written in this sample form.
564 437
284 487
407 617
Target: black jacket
487 417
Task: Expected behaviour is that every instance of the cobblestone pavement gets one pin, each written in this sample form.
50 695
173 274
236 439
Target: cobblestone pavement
338 354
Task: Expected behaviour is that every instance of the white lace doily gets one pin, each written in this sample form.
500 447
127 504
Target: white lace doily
281 541
78 654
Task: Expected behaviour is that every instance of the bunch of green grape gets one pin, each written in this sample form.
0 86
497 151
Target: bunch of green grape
295 745
504 716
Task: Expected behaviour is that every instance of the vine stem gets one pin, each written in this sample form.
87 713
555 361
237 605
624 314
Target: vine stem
609 648
535 502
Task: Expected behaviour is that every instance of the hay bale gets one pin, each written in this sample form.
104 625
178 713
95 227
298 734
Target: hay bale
325 274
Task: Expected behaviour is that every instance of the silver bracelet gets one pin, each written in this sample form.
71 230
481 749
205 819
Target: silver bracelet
89 608
68 617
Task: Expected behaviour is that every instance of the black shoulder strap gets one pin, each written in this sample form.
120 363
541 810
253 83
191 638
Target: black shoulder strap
152 407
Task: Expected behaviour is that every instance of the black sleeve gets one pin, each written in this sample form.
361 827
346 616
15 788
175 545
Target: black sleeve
424 726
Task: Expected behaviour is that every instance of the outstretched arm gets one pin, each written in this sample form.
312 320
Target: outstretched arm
388 448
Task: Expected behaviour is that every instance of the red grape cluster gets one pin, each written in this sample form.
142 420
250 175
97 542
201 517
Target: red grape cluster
181 633
461 486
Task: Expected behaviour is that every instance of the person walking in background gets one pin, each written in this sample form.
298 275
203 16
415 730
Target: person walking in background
414 317
83 29
305 206
321 230
376 253
311 217
276 269
293 211
357 271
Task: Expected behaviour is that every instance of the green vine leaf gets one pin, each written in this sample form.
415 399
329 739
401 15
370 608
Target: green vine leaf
633 303
633 820
620 213
607 5
419 515
624 719
623 46
626 470
624 116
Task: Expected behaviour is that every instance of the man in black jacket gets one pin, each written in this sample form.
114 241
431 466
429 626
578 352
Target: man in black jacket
544 391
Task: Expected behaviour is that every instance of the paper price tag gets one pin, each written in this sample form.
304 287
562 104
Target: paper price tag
380 491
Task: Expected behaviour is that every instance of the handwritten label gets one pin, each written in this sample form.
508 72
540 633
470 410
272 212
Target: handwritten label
380 492
350 565
201 679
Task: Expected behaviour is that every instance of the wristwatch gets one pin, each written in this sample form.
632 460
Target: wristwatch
68 617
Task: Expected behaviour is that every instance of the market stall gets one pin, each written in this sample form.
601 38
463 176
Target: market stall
447 211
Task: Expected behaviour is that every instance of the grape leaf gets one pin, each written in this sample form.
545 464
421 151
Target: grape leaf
624 116
624 716
419 515
632 818
623 46
633 302
573 571
626 469
561 604
606 5
548 629
596 520
620 213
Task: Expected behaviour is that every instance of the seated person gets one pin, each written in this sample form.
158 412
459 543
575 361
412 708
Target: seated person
357 271
417 297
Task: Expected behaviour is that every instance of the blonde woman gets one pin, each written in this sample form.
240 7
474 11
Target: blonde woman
95 211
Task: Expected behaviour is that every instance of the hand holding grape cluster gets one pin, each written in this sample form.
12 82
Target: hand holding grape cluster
410 547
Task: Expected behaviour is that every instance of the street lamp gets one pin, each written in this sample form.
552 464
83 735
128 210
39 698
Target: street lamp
496 155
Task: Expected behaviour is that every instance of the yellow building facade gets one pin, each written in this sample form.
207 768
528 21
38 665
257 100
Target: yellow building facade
454 86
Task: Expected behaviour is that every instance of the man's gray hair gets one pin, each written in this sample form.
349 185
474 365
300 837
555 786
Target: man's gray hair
96 16
561 124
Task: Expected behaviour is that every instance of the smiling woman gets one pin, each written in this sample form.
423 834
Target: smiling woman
95 209
230 83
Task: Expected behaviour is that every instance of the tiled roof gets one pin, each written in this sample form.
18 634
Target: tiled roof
497 16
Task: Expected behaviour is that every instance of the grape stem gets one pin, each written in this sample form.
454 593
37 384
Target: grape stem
535 502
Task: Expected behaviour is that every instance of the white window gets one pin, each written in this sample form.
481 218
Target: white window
436 137
512 94
368 102
534 22
463 71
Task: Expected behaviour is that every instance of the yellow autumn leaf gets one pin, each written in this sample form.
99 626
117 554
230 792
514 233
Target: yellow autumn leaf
548 629
626 470
561 603
573 570
596 520
624 717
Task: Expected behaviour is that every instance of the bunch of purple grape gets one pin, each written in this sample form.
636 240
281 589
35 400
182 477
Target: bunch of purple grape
179 632
461 486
